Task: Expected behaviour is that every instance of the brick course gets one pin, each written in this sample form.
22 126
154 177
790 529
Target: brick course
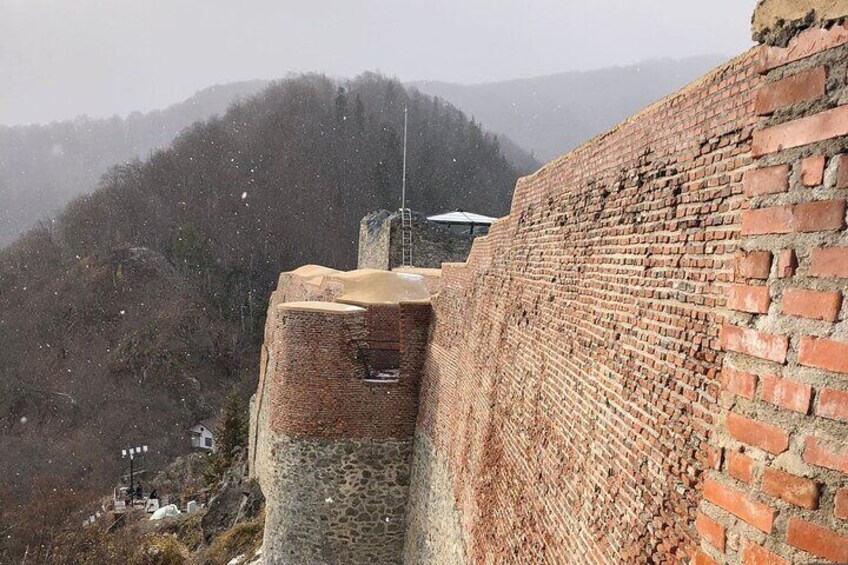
757 514
795 426
768 180
792 489
816 540
806 85
575 351
754 554
605 379
812 304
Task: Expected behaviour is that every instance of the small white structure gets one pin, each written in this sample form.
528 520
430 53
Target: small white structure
460 221
170 511
203 436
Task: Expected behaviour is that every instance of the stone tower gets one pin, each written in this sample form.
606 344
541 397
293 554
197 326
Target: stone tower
338 404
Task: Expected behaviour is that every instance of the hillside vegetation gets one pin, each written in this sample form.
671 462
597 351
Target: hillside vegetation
132 315
44 166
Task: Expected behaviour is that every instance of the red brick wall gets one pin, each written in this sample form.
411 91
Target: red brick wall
319 390
573 371
777 493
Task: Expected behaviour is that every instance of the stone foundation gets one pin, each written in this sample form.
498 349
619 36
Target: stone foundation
336 501
434 534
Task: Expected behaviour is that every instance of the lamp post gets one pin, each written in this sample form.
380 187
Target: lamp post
132 453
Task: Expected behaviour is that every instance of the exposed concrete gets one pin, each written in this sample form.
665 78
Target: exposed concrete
775 22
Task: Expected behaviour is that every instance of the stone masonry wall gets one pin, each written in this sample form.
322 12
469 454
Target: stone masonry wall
572 374
432 244
336 450
337 501
778 491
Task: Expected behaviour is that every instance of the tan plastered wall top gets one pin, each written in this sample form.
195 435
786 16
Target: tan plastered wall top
314 274
369 286
332 307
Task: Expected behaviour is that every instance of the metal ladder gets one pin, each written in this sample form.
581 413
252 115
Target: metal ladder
406 237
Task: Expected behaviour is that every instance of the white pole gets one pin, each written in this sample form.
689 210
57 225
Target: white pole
403 181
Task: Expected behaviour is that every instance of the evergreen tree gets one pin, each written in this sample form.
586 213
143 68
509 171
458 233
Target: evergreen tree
359 114
231 433
341 106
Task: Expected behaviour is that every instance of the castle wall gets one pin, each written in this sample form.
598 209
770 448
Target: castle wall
332 449
777 490
337 449
646 361
571 380
380 242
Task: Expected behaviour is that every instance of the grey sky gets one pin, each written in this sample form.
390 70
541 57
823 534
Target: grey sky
61 58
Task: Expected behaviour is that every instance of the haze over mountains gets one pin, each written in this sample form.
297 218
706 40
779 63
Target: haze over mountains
550 115
42 167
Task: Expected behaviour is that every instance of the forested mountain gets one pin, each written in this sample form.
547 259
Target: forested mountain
550 115
42 167
131 316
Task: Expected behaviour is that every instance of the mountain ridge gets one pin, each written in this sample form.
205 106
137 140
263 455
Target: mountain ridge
549 115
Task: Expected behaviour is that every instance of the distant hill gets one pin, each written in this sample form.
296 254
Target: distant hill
550 115
128 319
42 167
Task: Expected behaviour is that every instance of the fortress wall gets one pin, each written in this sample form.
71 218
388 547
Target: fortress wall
317 367
374 240
380 242
259 403
572 375
338 450
647 360
778 488
331 450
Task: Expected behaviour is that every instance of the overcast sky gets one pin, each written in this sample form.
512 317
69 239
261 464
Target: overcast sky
62 58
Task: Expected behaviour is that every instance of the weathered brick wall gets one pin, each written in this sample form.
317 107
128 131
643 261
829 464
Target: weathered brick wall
572 373
646 361
320 389
335 450
331 449
778 492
